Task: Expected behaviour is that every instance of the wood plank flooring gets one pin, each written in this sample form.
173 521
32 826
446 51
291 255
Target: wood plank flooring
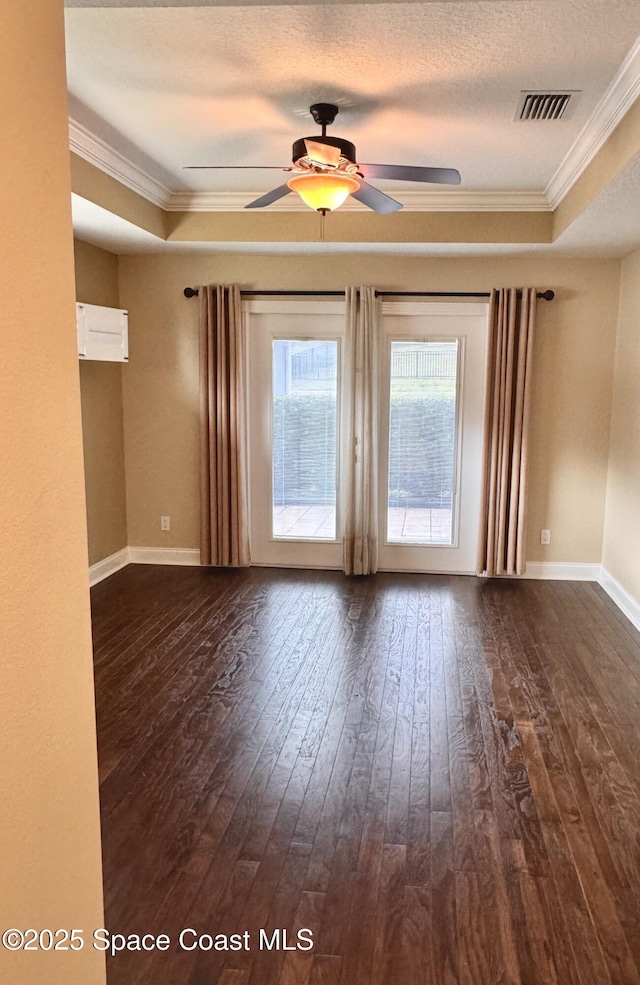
439 776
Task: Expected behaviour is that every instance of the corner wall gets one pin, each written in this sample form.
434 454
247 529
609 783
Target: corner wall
621 550
50 863
102 425
572 395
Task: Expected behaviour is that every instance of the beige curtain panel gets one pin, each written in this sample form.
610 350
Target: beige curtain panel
361 499
224 522
506 427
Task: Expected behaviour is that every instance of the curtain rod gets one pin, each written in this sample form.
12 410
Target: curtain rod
192 292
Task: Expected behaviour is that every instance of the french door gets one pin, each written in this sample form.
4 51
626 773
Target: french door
295 401
431 397
431 419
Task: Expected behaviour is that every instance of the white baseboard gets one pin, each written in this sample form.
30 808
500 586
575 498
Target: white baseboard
625 601
141 555
541 570
551 571
164 555
562 571
108 566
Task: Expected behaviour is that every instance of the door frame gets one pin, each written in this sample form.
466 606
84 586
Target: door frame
328 554
427 558
266 549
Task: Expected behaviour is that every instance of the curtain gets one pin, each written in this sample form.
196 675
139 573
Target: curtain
361 499
506 425
224 525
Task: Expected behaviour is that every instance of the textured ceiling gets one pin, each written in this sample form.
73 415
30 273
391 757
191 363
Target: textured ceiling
232 3
419 83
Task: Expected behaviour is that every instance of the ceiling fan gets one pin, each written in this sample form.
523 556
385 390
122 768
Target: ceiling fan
325 171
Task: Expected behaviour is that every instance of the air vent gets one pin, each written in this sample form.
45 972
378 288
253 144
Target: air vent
545 105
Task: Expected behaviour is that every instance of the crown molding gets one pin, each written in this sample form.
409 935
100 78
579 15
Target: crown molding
418 201
97 152
616 101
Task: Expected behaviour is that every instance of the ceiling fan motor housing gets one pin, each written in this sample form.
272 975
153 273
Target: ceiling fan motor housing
324 113
346 148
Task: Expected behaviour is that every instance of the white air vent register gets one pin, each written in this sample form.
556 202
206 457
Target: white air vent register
545 105
103 333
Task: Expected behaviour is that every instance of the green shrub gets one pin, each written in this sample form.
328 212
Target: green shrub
420 466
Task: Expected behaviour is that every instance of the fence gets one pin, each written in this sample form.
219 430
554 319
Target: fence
434 362
318 363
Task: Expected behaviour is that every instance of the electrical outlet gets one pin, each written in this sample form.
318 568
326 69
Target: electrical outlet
545 536
165 523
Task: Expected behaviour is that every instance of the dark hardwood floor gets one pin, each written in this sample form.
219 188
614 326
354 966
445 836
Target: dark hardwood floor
439 776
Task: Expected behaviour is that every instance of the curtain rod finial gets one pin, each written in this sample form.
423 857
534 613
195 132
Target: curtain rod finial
191 292
547 295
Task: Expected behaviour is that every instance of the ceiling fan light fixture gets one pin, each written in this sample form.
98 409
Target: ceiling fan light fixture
324 192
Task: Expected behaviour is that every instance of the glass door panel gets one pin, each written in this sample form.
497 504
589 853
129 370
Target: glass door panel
295 382
431 421
304 446
422 442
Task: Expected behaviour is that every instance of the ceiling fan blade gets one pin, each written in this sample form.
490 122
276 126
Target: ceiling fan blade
375 199
402 172
269 198
233 167
324 154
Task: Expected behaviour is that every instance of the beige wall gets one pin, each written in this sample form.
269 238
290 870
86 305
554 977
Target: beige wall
573 379
89 182
621 552
360 226
50 869
102 428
